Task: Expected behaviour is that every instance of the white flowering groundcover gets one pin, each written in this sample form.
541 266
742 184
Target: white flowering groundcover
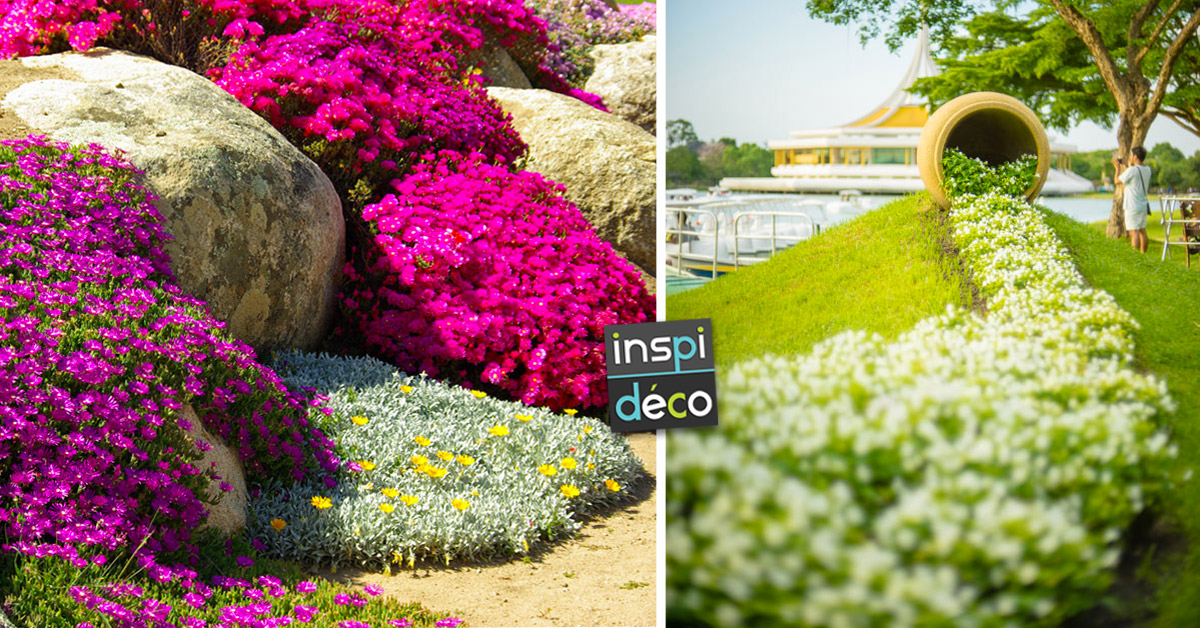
435 471
977 471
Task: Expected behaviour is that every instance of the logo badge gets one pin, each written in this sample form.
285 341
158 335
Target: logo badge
660 375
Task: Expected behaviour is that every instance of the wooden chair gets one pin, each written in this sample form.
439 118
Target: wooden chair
1191 231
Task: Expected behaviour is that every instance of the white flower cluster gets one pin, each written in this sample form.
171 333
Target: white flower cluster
976 471
433 470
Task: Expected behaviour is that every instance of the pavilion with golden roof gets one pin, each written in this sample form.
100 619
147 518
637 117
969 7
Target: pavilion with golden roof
877 152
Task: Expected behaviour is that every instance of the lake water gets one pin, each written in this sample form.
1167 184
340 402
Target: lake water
1082 209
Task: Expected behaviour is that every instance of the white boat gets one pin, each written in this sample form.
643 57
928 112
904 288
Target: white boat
849 201
712 238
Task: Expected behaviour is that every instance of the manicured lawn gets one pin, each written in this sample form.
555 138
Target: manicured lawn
881 272
1165 300
1154 229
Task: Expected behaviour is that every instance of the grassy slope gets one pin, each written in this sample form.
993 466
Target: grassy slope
882 272
1165 299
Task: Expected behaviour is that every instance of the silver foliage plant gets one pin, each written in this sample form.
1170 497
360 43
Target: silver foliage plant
432 470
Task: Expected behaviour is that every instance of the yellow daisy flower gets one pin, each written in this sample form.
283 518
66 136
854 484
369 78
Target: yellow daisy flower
612 485
390 493
569 491
386 507
461 504
498 430
406 389
359 420
409 500
567 463
278 524
366 465
524 418
465 460
419 461
571 411
422 441
445 455
435 472
479 394
587 429
591 465
547 469
321 502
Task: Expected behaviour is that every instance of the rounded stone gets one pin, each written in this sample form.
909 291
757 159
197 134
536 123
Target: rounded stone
258 228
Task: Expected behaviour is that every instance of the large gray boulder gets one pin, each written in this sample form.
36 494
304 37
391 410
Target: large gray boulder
606 164
626 79
258 227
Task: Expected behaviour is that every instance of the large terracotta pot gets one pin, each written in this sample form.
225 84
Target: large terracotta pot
996 128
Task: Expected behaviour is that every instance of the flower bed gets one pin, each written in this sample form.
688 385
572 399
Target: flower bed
491 277
975 471
575 26
98 353
361 109
236 590
369 90
436 471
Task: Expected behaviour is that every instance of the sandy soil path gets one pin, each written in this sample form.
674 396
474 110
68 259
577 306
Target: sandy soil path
604 576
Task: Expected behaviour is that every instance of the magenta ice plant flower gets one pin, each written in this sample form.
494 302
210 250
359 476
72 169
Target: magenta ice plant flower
98 351
492 276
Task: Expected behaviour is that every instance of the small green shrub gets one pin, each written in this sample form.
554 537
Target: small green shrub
967 175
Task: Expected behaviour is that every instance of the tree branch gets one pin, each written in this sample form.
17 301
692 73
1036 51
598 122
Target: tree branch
1186 119
1162 24
1094 42
1168 64
1134 53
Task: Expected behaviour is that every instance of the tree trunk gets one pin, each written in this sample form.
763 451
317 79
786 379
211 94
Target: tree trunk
1131 131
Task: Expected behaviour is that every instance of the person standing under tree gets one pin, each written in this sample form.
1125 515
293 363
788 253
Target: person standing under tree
1136 179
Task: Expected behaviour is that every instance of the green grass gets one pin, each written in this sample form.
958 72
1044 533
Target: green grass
1165 300
881 272
1154 230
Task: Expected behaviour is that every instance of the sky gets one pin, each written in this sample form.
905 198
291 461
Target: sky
756 70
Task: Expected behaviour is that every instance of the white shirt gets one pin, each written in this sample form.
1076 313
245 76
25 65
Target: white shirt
1136 180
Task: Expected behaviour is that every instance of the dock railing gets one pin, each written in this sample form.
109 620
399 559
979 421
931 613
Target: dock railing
813 229
677 218
678 233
